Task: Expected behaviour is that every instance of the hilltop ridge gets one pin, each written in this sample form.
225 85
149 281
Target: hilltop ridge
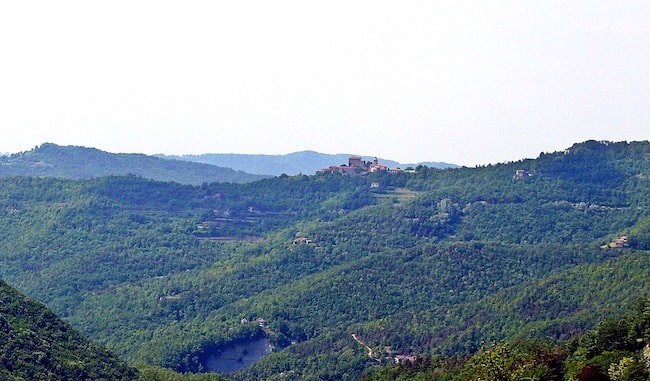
302 162
74 162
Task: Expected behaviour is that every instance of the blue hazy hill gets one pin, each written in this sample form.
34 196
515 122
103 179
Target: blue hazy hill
305 162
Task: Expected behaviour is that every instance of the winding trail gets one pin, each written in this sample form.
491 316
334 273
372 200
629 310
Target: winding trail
370 352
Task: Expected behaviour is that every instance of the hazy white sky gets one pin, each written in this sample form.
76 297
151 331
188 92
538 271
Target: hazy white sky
467 82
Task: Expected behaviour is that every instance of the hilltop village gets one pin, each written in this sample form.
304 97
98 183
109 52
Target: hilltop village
357 166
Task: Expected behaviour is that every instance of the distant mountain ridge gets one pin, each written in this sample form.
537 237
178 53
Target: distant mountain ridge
305 162
74 162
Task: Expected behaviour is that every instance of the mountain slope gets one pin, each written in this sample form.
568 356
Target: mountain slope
36 345
617 349
410 263
305 162
50 160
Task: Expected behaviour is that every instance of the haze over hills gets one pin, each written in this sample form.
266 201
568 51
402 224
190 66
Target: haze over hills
73 162
328 266
303 162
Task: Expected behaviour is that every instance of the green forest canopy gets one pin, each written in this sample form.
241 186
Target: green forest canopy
431 263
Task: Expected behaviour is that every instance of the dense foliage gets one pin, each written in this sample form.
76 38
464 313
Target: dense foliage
340 273
36 345
616 350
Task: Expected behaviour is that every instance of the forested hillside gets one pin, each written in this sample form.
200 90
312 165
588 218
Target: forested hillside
36 345
71 162
617 349
340 274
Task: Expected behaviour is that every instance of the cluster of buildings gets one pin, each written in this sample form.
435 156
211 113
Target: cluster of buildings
357 166
260 321
402 359
617 243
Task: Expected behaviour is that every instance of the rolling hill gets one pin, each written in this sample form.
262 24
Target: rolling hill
324 267
72 162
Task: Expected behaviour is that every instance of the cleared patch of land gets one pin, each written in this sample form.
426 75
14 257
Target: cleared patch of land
397 195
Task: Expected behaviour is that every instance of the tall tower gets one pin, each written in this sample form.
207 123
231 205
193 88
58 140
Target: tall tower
354 161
